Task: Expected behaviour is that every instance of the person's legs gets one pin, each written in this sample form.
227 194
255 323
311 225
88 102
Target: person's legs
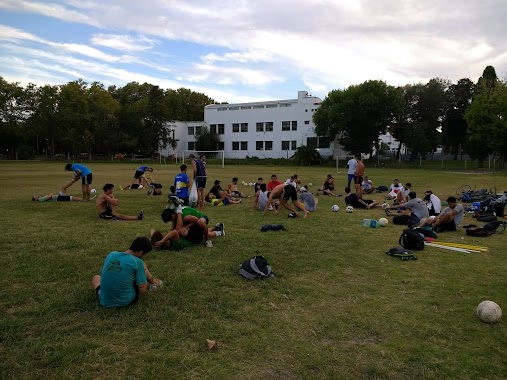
446 218
125 217
300 206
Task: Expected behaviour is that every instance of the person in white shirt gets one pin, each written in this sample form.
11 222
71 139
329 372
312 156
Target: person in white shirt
433 202
351 172
394 189
367 186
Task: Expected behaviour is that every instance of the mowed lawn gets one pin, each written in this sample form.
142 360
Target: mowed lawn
339 307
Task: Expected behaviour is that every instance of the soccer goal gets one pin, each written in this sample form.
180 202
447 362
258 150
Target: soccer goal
212 156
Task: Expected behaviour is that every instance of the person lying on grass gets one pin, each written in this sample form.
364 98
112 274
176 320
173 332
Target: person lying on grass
107 206
353 200
60 197
284 193
188 229
125 276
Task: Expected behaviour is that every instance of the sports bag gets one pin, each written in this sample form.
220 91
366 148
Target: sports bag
487 230
401 220
273 227
487 218
411 239
426 231
256 267
382 188
402 253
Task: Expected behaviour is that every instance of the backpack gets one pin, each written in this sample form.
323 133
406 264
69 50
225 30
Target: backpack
426 231
487 218
401 220
401 253
411 239
382 188
256 267
486 230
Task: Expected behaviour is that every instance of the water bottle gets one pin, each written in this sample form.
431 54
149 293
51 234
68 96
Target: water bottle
374 224
366 222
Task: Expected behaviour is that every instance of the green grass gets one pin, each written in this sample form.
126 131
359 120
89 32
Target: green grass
339 308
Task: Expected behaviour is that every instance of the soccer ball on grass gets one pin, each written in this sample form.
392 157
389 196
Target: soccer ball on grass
93 191
349 209
383 222
335 208
489 312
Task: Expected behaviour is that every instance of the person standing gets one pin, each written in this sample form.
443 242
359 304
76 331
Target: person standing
182 184
200 176
351 172
81 171
359 176
125 276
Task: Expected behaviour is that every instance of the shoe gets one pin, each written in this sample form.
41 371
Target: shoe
179 210
141 215
292 215
177 201
239 201
115 219
209 244
154 287
221 227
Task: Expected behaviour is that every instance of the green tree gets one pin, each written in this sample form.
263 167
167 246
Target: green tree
358 115
454 125
13 114
103 108
307 155
206 140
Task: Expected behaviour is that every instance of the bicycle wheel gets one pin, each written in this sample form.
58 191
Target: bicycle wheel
463 189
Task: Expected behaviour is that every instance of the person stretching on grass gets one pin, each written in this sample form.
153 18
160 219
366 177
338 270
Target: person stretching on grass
286 192
125 276
138 177
80 171
60 197
356 202
449 219
106 206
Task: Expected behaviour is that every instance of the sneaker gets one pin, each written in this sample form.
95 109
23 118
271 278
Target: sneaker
179 210
141 215
239 200
292 215
221 227
115 219
209 244
177 201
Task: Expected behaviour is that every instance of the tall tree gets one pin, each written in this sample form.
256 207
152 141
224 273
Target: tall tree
205 139
454 125
358 115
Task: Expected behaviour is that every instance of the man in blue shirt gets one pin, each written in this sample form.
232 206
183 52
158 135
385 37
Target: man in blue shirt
125 276
182 184
139 177
81 171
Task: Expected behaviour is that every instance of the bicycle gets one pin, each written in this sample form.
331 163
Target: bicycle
467 194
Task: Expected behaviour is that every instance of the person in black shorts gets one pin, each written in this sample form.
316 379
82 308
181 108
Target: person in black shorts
286 192
356 202
60 197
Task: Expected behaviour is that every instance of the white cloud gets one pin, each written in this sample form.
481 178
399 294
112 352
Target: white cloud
123 42
250 55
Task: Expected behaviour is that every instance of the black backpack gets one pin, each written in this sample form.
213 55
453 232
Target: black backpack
486 230
256 267
411 239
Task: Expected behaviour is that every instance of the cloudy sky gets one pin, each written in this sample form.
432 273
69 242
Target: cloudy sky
247 50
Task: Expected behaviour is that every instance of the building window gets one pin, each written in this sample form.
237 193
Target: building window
259 106
295 125
191 145
246 107
285 105
244 145
268 145
221 129
307 121
213 128
259 145
222 109
197 130
221 145
311 141
294 145
235 145
323 142
235 127
244 127
259 127
285 125
271 105
285 145
318 142
269 126
191 131
233 108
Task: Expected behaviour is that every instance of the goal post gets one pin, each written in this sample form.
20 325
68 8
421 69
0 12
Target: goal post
212 156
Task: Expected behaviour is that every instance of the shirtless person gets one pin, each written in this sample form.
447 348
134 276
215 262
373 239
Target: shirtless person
232 189
106 206
286 192
359 176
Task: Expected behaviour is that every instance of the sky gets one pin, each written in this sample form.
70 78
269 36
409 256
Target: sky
243 51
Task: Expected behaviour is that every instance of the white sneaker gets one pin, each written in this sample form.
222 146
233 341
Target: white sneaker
209 243
179 210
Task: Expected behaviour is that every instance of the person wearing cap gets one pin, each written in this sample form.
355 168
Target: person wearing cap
80 171
286 192
125 276
200 176
308 200
433 203
182 185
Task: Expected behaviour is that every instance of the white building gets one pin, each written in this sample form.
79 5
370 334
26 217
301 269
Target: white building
270 129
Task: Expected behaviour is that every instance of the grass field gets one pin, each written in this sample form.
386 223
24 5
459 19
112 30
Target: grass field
339 308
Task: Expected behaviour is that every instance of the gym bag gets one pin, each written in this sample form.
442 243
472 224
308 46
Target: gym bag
411 239
273 227
401 253
256 267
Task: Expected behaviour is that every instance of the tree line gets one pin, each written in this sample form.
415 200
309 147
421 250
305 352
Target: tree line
464 117
80 118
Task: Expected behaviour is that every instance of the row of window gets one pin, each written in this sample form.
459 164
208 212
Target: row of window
259 145
243 127
256 106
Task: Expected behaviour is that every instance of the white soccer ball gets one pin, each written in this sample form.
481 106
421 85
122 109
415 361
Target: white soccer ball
335 208
244 183
349 209
385 206
251 184
489 312
310 184
383 222
93 191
